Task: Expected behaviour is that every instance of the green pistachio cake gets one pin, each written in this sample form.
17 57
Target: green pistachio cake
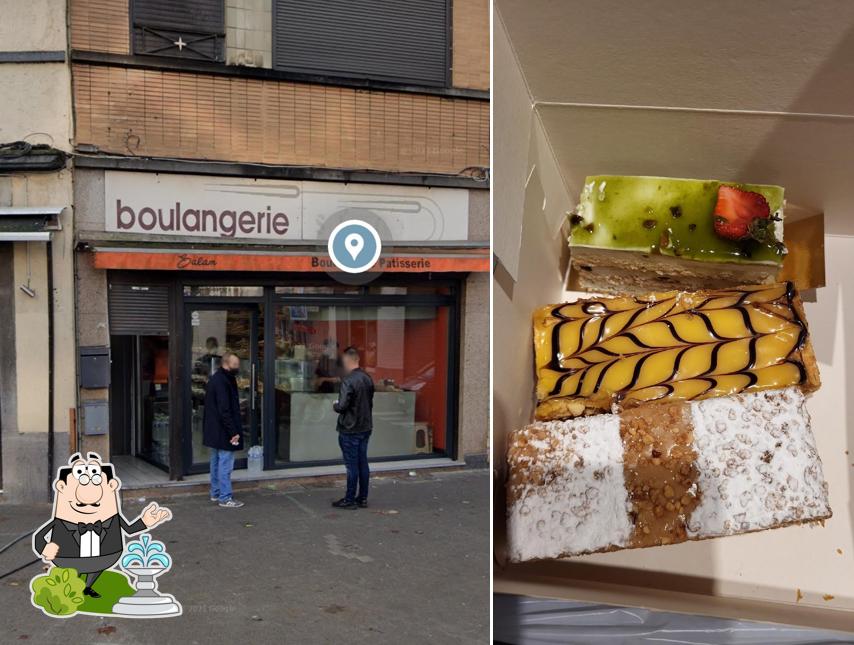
641 233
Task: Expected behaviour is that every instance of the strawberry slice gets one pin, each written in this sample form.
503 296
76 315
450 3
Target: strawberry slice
741 215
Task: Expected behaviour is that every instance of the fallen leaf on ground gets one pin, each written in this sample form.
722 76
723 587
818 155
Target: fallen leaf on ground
799 596
107 629
828 596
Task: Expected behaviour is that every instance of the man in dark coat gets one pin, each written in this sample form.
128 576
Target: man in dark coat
223 428
355 406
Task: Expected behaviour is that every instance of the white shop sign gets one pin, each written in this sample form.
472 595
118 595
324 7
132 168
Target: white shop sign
244 208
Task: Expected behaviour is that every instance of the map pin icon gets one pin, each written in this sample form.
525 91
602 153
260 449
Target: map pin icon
354 243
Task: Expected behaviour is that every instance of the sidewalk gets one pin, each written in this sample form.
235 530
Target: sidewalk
288 568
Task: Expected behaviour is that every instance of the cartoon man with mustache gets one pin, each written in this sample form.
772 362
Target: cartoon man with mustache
87 525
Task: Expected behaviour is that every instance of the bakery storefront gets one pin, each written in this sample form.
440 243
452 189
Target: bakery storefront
193 266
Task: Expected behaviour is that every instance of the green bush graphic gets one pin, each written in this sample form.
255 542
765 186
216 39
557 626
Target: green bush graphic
59 592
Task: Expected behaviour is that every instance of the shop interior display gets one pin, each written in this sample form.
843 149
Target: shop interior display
407 371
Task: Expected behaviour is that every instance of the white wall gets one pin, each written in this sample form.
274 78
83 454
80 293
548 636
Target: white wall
529 204
32 25
511 135
35 104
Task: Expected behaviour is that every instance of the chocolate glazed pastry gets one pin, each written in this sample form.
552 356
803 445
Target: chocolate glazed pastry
612 354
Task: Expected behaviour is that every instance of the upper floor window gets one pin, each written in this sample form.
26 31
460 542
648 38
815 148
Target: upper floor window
399 41
179 28
390 40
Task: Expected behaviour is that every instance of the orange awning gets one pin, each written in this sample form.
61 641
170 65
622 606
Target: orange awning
471 260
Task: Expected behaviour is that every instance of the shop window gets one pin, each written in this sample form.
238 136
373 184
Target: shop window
388 40
223 291
409 290
403 348
315 290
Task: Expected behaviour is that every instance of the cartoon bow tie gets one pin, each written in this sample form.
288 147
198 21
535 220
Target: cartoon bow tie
95 527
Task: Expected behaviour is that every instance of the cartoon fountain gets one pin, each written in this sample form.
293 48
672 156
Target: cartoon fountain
145 559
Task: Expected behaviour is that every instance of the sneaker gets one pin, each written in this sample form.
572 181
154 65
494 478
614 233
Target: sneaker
214 498
362 503
231 503
345 503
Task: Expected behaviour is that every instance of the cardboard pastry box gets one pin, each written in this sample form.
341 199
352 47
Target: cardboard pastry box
682 89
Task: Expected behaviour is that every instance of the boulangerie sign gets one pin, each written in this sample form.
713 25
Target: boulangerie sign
268 209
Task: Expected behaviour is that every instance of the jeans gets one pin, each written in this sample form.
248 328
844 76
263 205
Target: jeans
354 447
222 463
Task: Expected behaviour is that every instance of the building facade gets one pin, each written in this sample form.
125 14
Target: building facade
216 145
37 323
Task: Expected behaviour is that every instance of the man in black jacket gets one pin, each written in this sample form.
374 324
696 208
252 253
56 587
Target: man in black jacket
223 428
355 406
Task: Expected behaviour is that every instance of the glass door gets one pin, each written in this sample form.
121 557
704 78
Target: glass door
213 331
139 398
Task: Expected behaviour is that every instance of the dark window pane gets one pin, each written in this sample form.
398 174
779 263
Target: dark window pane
409 290
153 431
392 40
325 290
223 291
191 29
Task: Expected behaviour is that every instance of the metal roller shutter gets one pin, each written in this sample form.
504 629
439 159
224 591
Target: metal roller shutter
198 24
390 40
139 309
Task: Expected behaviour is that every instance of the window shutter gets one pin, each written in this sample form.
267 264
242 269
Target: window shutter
390 40
139 309
193 29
